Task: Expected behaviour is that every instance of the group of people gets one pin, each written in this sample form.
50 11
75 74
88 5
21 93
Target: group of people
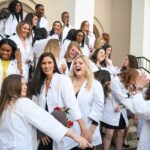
43 69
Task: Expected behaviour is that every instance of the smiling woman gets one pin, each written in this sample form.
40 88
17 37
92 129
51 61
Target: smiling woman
19 126
49 92
8 63
21 39
90 97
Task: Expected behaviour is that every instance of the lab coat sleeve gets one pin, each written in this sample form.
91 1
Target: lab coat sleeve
8 27
97 103
42 120
117 91
138 105
69 99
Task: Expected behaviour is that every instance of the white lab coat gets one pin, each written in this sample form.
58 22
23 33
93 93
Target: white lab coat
44 23
64 47
12 69
25 54
61 94
109 115
39 46
10 25
86 50
139 106
2 28
91 37
19 123
65 31
91 104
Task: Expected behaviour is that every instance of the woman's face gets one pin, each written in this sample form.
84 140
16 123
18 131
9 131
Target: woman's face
18 7
24 87
74 51
101 55
5 52
126 62
34 21
86 26
108 52
47 66
102 42
79 67
25 29
79 37
57 27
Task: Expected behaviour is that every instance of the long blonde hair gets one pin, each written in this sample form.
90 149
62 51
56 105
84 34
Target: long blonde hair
89 73
53 46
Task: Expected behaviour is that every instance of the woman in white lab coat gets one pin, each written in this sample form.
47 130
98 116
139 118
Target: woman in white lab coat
79 37
19 118
115 114
141 107
16 10
89 36
90 96
10 59
52 89
23 44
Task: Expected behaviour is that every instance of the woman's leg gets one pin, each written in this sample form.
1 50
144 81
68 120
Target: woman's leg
107 138
125 142
119 139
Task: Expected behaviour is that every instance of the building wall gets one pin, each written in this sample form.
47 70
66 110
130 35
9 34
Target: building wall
120 29
115 18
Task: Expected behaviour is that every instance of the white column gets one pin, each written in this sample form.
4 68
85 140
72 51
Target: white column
140 28
81 10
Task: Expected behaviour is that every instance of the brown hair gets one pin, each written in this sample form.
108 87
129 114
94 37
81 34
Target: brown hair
128 77
106 37
83 24
11 90
147 93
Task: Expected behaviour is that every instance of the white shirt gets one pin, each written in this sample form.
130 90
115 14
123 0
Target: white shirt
19 123
44 23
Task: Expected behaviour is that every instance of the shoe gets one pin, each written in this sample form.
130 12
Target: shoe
126 145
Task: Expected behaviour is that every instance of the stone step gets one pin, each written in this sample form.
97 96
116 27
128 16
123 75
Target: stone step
132 134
